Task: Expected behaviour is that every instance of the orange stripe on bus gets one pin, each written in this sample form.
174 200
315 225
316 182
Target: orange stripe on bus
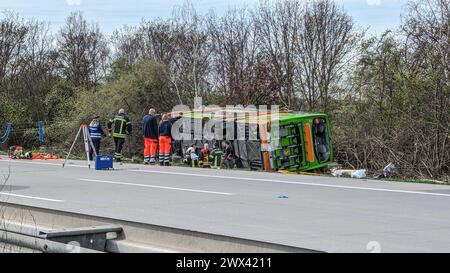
308 143
264 143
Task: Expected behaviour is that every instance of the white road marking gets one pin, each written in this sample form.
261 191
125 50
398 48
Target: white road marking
295 183
152 186
255 179
30 197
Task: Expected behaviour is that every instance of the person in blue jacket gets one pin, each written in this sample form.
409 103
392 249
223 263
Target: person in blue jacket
96 132
165 140
150 133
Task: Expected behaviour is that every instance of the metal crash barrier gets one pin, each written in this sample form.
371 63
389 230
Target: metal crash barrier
74 240
32 229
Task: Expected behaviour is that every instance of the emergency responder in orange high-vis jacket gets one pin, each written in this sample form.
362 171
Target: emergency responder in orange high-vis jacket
150 133
165 140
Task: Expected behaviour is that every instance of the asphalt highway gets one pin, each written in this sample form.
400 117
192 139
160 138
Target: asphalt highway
320 213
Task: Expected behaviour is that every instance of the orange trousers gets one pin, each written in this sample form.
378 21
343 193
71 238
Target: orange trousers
165 144
150 145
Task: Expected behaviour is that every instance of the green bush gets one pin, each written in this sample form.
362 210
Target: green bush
144 86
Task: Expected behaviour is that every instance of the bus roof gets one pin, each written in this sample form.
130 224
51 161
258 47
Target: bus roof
247 115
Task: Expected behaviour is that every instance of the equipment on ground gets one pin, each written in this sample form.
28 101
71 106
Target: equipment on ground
205 163
42 156
104 162
17 152
84 129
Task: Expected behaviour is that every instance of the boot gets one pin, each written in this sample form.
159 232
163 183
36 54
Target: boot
152 161
146 160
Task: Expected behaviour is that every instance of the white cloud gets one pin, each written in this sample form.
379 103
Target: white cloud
73 2
373 2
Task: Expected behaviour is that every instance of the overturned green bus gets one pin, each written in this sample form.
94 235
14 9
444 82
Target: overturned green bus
301 143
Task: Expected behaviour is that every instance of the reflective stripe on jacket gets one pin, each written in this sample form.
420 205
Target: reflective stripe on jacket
120 125
96 131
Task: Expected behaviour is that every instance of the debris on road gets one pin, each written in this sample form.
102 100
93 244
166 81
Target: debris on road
17 152
389 170
358 174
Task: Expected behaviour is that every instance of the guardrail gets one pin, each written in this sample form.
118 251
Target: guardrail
64 241
47 230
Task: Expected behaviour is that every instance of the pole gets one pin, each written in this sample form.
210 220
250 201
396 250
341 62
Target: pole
41 132
86 144
91 143
71 148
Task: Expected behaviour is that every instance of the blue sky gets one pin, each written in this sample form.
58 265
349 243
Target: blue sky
377 15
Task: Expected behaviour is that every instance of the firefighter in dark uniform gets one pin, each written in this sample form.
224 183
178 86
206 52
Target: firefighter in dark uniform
216 154
119 127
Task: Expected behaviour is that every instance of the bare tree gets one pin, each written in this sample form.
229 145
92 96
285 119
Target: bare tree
37 77
83 51
13 31
277 28
193 50
26 62
427 51
181 44
128 46
427 29
325 40
235 50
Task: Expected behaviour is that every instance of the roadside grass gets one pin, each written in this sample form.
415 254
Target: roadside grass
420 181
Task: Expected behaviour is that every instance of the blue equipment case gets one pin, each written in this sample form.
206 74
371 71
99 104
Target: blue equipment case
104 162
